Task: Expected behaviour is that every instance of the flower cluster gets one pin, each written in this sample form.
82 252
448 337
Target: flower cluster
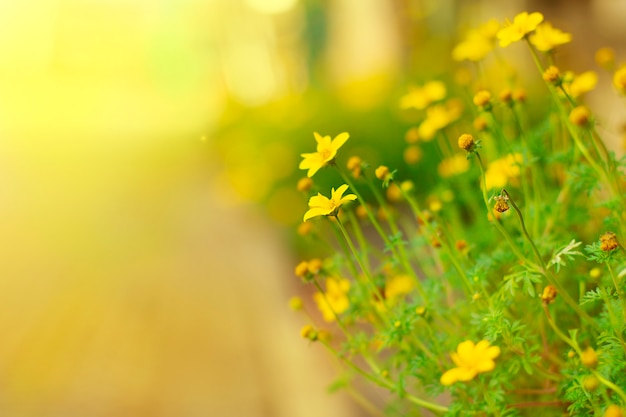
471 246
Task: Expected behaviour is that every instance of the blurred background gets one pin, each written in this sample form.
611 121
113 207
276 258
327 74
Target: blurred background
148 161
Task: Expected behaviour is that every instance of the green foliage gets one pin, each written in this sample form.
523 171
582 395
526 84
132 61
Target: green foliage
462 310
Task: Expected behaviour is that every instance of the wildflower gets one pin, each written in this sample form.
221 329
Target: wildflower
519 95
549 294
546 38
482 99
361 212
354 165
571 354
420 311
295 303
308 332
326 152
480 124
334 300
422 97
506 95
608 242
304 228
590 383
502 204
522 25
580 116
470 360
613 411
605 58
460 245
397 286
466 142
551 75
455 165
476 296
619 79
501 171
589 358
397 324
582 84
324 335
394 193
302 269
412 155
595 273
323 206
437 117
477 43
434 204
382 172
304 184
314 266
412 135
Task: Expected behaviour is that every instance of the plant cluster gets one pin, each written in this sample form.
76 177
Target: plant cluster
501 294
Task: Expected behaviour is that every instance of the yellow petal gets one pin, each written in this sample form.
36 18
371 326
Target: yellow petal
339 140
485 365
314 212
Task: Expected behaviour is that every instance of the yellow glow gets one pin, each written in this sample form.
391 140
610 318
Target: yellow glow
271 6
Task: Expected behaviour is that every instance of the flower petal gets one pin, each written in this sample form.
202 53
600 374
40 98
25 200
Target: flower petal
466 351
314 212
339 140
338 193
484 365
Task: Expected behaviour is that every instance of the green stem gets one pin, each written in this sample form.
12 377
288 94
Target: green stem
547 273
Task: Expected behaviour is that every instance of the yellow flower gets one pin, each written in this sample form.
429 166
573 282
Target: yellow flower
326 152
619 79
323 206
438 117
398 285
455 165
334 300
522 25
547 38
605 58
589 358
422 97
500 171
470 360
582 83
477 43
613 411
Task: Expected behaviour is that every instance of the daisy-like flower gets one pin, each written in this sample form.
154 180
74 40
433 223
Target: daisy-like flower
422 97
321 205
470 360
326 152
577 85
522 25
546 38
477 43
335 300
501 171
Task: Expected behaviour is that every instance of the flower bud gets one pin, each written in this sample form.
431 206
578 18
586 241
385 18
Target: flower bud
551 75
482 99
549 294
382 172
589 358
608 242
466 142
580 116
